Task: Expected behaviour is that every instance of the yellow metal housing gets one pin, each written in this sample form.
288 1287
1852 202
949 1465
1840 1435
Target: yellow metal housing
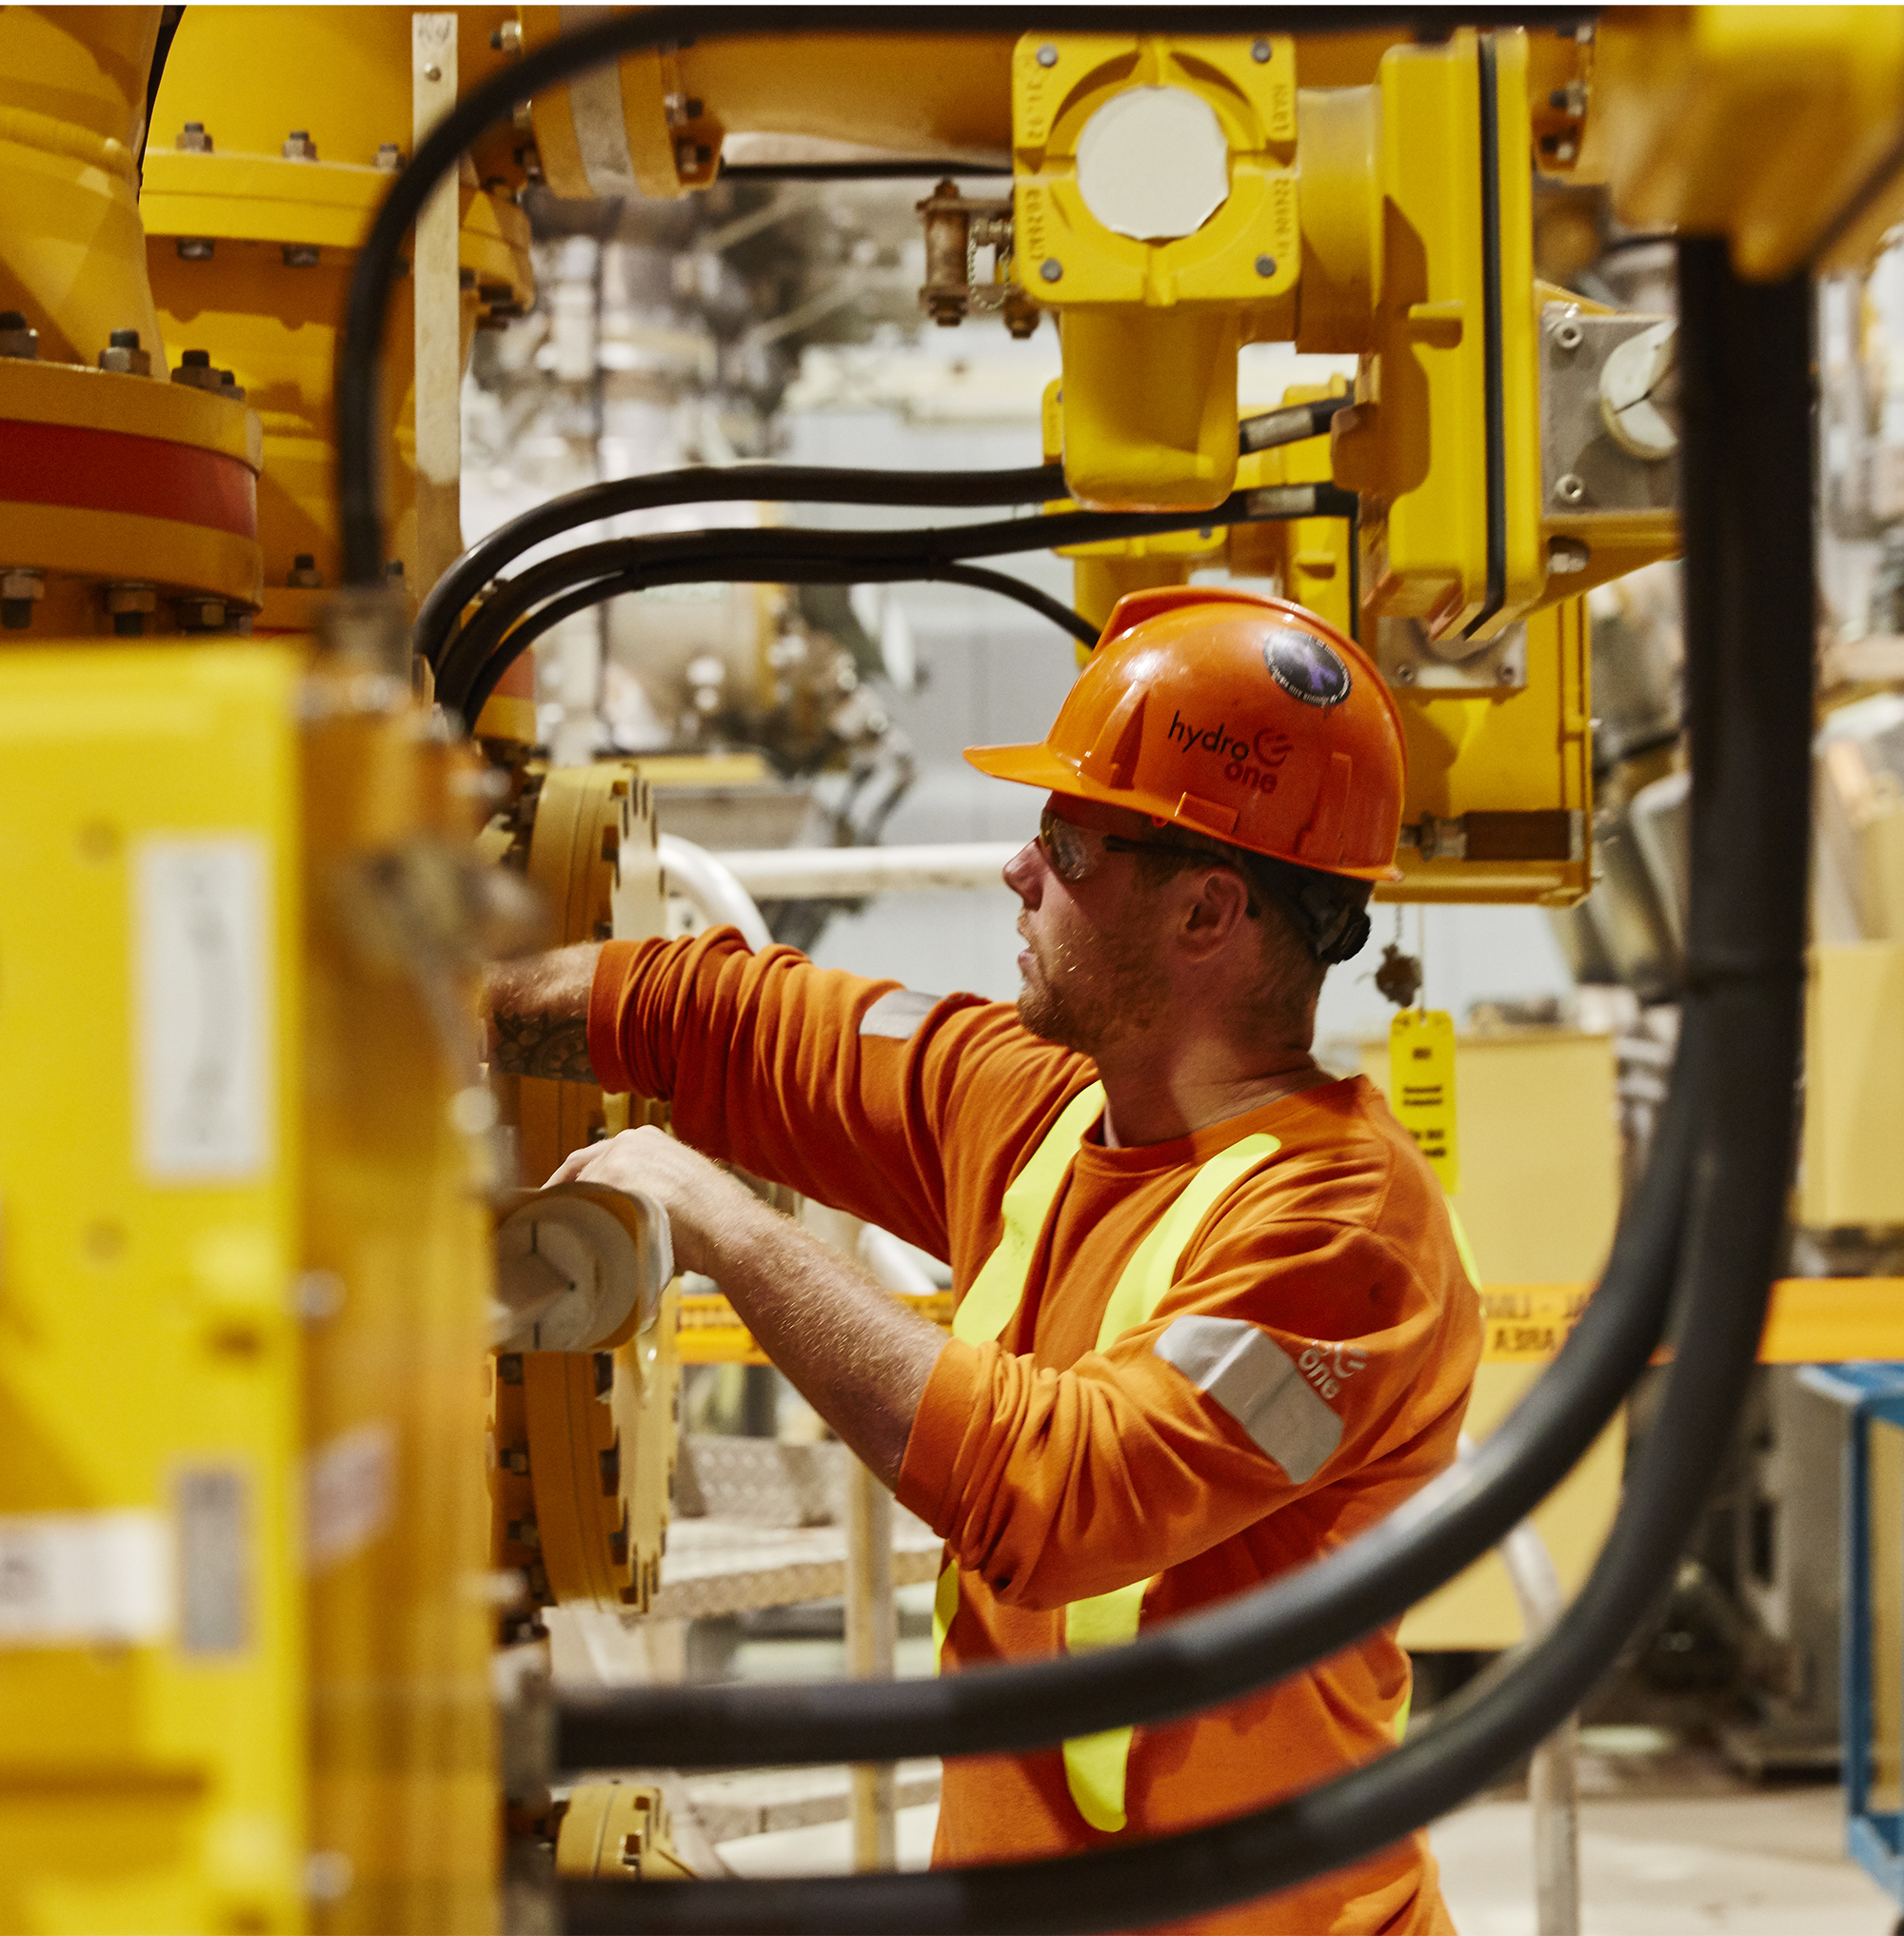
72 105
152 1725
251 250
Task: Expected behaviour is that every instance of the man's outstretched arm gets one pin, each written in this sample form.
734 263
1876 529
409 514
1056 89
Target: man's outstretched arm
858 1356
539 1013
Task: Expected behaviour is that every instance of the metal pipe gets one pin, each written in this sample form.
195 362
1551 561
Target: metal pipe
847 873
1552 1775
711 885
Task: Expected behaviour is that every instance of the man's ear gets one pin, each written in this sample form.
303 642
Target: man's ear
1217 906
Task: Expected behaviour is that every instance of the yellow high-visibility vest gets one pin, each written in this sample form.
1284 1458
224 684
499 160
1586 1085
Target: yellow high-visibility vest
1095 1765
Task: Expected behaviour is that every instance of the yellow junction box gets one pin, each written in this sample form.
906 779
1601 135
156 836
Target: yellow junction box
1540 1197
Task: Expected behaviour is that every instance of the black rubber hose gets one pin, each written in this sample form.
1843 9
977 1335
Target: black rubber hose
707 485
1748 618
358 486
786 484
469 704
918 550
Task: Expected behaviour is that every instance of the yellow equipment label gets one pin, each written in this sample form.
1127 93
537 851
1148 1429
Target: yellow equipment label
1421 1087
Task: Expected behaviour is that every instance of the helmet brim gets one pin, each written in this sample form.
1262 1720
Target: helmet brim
1038 765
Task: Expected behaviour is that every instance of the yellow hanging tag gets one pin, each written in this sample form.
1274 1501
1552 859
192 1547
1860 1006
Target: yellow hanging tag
1422 1086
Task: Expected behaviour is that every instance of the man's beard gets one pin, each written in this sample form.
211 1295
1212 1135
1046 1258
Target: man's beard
1089 1003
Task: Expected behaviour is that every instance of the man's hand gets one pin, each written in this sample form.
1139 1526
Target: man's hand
708 1212
857 1355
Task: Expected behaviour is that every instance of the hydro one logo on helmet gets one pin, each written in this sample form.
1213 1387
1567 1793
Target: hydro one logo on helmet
1306 668
1251 762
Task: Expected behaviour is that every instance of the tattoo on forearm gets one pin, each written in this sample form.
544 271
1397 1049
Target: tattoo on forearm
538 1045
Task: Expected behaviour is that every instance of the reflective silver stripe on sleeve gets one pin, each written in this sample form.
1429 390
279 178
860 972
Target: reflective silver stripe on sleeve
898 1013
1256 1381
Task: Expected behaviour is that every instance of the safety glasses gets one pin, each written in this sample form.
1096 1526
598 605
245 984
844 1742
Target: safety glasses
1074 853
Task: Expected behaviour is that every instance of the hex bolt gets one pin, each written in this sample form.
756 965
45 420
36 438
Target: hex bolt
1567 335
122 355
299 146
1259 52
1570 488
1047 55
130 602
690 157
1405 675
304 575
16 340
390 157
196 370
432 72
1265 266
200 615
194 247
229 386
1050 269
22 586
1567 555
300 255
508 38
194 140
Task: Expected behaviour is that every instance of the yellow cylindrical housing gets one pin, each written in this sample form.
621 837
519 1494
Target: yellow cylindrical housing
72 103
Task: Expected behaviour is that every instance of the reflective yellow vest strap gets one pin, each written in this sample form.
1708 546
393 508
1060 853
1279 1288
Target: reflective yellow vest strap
995 1292
1096 1765
945 1604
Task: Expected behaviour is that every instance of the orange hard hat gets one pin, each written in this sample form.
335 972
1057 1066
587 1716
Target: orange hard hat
1238 715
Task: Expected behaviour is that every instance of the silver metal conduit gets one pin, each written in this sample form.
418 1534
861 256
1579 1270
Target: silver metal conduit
1553 1773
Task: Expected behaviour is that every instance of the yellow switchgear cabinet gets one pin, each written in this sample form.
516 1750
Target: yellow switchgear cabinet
152 1668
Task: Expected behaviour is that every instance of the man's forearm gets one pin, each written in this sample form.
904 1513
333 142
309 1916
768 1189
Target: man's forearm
539 1013
857 1355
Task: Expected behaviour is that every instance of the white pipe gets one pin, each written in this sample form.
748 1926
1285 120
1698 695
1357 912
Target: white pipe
846 872
1552 1773
893 1264
707 880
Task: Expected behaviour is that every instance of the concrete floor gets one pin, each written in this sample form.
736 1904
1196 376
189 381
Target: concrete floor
1751 1863
1739 1864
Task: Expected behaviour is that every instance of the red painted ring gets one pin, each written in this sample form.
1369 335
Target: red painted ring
84 469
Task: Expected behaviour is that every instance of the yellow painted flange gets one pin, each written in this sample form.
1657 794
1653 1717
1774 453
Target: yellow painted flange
156 482
585 1440
617 1831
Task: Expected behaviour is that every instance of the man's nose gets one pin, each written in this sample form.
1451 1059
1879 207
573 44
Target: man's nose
1023 872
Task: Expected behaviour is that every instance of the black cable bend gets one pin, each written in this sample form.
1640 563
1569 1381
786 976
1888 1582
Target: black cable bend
468 703
929 545
710 484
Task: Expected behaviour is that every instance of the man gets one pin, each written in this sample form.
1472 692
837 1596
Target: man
1212 1321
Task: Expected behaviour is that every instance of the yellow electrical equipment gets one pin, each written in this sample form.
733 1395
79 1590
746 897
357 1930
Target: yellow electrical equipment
1314 559
276 135
584 1442
152 1632
617 1831
1774 126
1155 209
654 124
1499 794
128 505
73 107
397 1249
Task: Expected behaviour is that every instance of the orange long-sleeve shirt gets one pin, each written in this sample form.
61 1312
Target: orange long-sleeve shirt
1346 1335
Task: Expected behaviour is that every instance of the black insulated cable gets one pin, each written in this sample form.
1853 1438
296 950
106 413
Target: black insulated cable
914 552
1749 652
786 484
709 484
468 703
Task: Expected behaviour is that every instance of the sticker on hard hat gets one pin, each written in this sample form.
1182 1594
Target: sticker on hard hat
1306 668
